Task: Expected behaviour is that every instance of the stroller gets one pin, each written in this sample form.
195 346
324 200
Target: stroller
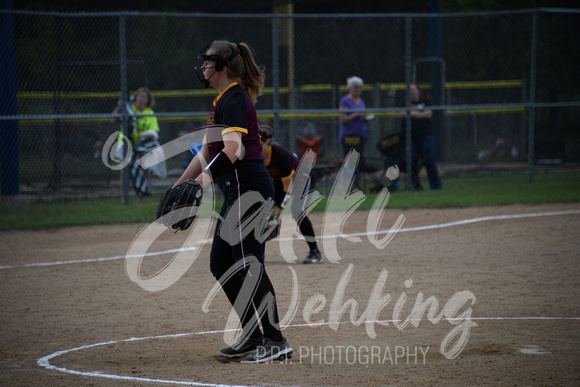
392 150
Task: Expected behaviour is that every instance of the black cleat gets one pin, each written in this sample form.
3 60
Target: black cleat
242 348
314 256
270 351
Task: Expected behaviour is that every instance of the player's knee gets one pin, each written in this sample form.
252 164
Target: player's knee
217 270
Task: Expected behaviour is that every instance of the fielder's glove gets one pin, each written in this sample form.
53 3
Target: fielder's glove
274 223
178 205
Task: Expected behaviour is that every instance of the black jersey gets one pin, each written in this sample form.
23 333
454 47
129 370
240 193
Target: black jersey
234 111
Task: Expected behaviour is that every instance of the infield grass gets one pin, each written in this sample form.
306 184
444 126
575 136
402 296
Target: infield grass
467 191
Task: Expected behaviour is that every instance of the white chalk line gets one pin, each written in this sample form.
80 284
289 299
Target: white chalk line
89 260
379 232
45 361
463 222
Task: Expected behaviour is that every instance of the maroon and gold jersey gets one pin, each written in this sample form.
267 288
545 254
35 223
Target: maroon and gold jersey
234 111
281 164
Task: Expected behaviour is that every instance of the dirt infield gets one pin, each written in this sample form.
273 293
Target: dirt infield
483 296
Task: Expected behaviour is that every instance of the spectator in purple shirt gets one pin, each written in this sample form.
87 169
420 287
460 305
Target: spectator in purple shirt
353 124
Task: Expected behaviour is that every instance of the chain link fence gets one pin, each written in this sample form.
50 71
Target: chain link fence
503 86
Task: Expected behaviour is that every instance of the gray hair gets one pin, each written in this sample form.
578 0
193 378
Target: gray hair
354 81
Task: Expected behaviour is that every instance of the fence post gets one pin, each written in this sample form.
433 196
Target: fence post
124 99
8 105
57 133
408 76
437 78
531 108
474 120
377 104
275 75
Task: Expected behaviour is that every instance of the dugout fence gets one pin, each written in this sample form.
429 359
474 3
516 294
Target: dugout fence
503 86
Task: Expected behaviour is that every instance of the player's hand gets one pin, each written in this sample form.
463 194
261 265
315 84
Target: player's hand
273 225
178 206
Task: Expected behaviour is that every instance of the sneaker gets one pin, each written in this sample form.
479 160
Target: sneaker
241 348
314 256
270 351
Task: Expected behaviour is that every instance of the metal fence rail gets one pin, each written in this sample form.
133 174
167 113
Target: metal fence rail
495 79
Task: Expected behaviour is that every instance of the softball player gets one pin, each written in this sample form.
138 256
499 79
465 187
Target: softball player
282 165
232 143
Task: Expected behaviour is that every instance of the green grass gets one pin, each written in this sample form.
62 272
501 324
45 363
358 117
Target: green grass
77 213
489 190
468 191
497 190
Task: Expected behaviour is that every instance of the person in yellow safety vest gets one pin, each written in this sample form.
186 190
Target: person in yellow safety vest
144 136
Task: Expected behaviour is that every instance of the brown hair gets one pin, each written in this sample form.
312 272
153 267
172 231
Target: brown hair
150 97
242 67
266 132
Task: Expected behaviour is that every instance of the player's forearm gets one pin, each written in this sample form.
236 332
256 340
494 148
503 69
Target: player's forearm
232 145
115 120
287 184
192 171
346 119
422 114
195 167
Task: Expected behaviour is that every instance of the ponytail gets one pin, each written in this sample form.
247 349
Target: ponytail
242 68
252 77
